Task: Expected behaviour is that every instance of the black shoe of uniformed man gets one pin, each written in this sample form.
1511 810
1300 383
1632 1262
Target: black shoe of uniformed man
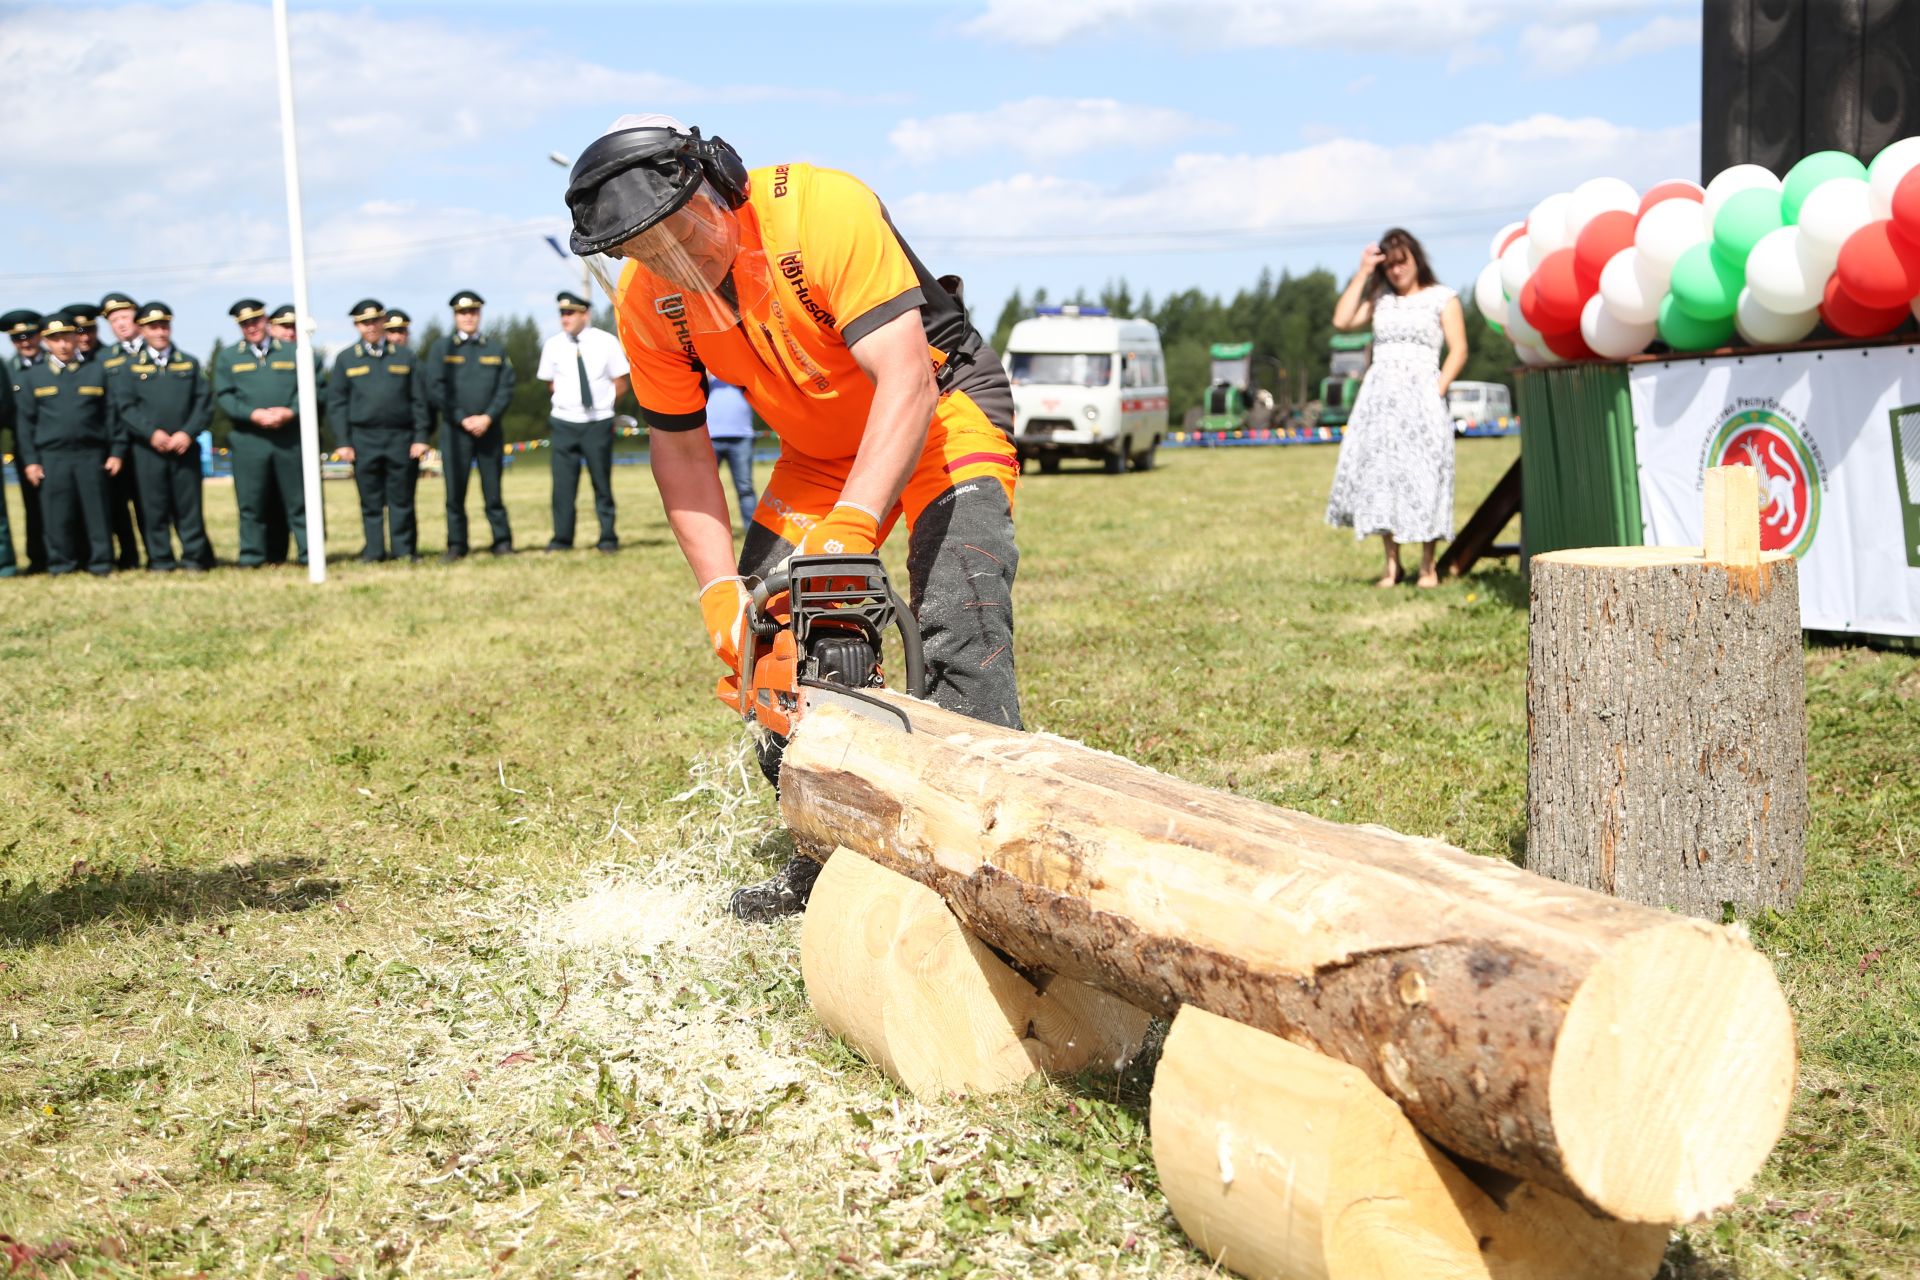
784 893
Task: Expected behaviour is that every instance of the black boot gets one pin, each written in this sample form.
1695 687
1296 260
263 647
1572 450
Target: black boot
784 893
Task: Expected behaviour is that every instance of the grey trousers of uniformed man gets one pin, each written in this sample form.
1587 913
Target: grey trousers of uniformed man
961 562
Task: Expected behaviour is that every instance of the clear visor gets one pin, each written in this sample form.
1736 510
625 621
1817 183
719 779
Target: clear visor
684 275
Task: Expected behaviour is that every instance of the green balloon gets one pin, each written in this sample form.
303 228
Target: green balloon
1684 333
1706 285
1496 326
1817 168
1742 220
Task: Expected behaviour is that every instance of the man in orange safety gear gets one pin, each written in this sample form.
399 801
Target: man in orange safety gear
791 283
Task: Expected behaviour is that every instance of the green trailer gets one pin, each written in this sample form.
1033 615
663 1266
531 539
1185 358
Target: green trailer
1346 367
1226 402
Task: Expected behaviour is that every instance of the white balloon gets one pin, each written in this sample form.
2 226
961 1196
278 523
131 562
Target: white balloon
1596 196
1741 177
1668 230
1515 267
1609 335
1893 163
1488 296
1547 227
1764 327
1632 288
1784 275
1500 239
1530 354
1831 212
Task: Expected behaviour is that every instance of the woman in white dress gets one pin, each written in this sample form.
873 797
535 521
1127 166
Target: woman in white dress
1395 473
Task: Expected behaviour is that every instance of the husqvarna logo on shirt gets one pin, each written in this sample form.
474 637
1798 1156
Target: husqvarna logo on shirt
674 307
795 274
779 181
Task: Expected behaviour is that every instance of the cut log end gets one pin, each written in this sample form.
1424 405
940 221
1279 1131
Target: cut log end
1673 1074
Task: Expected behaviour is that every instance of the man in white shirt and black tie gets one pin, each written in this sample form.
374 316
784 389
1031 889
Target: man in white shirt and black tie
585 369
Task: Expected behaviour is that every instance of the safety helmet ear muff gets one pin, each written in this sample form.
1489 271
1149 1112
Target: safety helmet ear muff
631 179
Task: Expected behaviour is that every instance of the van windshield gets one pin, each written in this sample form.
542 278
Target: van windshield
1036 368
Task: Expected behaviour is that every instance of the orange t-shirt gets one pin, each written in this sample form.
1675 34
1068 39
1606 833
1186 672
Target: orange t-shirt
835 271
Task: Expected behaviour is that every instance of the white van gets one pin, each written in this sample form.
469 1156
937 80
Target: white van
1471 403
1087 385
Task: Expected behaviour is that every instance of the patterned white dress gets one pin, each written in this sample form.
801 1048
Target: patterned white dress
1395 473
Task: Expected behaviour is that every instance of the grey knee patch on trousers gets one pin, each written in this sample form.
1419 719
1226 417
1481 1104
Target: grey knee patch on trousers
961 560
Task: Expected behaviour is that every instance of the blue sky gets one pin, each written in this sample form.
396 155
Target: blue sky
1062 143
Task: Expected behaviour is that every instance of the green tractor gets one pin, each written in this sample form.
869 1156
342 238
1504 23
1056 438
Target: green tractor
1341 386
1231 402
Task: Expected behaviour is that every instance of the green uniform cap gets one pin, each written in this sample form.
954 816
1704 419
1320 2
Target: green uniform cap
247 309
571 301
115 302
367 309
82 315
466 300
21 323
155 313
397 319
58 323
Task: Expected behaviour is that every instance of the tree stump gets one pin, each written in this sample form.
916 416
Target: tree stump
1666 720
890 970
1281 1163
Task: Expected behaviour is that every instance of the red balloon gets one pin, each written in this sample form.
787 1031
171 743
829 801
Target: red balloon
1671 189
1906 206
1560 295
1530 302
1604 235
1513 235
1569 345
1852 318
1878 268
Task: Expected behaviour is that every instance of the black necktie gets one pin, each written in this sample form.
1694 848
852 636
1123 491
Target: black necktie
586 387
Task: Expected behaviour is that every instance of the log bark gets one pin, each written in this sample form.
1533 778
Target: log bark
1666 728
1637 1062
1282 1163
891 971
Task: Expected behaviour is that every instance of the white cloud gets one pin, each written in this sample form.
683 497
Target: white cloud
1044 129
1239 198
172 102
1403 26
1360 84
1561 50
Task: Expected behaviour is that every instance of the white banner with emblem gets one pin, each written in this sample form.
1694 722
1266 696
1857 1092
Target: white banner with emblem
1835 438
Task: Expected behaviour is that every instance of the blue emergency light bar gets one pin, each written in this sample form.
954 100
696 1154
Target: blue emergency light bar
1070 309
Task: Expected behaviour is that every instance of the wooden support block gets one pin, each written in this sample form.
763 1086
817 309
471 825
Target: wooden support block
1279 1162
1666 723
1731 521
888 968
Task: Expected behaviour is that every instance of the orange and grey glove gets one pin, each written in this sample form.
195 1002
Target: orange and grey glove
723 607
847 530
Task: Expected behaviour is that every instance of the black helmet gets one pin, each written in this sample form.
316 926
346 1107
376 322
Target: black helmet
630 179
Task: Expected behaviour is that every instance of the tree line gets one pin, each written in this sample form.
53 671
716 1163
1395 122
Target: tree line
1289 320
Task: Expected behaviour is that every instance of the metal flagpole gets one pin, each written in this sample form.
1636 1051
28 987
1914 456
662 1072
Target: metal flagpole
309 394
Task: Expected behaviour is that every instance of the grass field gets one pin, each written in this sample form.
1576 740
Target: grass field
377 929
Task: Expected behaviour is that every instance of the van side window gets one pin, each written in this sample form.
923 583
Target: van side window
1129 370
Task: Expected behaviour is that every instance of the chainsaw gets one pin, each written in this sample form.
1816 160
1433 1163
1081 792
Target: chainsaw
814 633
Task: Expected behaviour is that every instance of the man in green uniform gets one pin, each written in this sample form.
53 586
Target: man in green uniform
378 411
399 327
67 443
85 319
164 404
123 493
256 384
470 385
23 327
8 419
281 325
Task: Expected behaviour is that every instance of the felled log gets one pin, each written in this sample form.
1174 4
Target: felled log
1639 1063
1666 718
1282 1163
889 969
